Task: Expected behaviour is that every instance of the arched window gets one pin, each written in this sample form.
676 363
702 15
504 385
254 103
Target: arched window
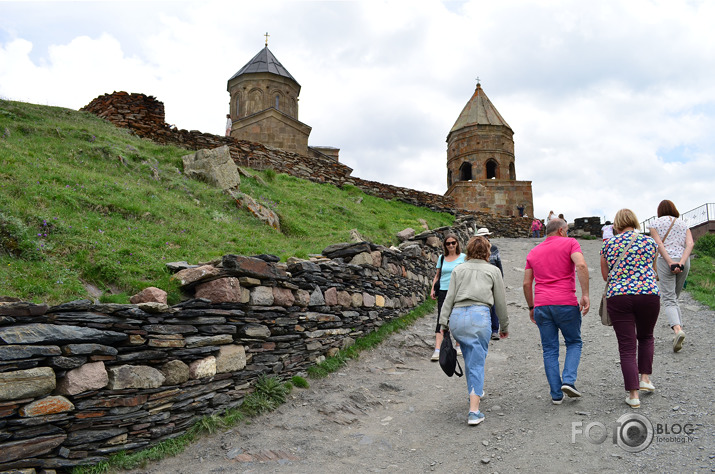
492 170
278 102
238 106
465 171
449 178
512 171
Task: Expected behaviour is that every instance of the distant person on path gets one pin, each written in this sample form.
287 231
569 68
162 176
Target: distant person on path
553 306
451 257
520 208
607 230
495 260
229 124
536 226
633 301
550 216
674 247
475 287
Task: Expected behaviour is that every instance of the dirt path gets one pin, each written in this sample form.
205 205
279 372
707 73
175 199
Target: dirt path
395 411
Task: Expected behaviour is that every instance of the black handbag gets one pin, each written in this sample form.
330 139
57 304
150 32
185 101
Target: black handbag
439 275
448 356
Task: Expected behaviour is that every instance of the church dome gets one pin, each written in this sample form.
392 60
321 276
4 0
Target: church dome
264 61
479 111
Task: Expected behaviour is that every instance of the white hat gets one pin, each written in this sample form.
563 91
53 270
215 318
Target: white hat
482 231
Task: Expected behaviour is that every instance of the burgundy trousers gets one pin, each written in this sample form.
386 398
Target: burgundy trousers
633 318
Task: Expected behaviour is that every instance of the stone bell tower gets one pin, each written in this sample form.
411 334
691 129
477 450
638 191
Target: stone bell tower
264 105
481 175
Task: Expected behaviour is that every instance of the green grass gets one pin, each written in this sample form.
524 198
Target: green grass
701 279
85 203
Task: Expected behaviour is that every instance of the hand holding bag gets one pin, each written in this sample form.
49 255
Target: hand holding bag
448 356
603 309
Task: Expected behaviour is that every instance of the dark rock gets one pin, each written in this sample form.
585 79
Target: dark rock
29 448
347 249
267 257
22 351
67 363
88 349
90 436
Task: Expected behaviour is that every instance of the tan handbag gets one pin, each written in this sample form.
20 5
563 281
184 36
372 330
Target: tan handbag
603 309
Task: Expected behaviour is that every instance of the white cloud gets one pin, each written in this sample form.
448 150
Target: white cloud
612 103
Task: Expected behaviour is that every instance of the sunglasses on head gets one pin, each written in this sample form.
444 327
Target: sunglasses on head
451 242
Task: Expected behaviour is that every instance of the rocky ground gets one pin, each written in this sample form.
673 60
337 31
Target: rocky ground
395 411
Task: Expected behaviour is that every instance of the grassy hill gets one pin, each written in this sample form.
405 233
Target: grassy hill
86 205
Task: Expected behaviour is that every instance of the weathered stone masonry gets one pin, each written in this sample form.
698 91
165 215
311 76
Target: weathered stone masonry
79 381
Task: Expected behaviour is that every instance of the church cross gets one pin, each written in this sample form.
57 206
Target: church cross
266 35
477 80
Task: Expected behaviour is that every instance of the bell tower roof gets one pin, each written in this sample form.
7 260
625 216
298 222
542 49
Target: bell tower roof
264 61
479 111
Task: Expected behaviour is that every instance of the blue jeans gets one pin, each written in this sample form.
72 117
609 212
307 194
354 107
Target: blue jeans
471 326
550 320
536 234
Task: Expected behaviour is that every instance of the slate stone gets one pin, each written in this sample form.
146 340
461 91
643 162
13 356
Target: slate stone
218 329
142 355
253 267
27 383
255 330
84 349
200 341
67 363
90 436
304 266
347 249
174 267
76 305
51 333
47 406
29 447
22 309
22 351
170 328
267 257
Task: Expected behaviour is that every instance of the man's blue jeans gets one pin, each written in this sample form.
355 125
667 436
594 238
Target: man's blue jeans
567 319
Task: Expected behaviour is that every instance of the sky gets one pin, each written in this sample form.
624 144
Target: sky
612 103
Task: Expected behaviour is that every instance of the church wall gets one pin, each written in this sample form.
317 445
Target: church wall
496 196
257 92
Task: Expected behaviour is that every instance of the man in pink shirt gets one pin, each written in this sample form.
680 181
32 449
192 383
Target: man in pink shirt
553 305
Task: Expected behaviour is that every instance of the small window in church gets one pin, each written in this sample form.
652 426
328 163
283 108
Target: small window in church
278 101
449 177
492 172
465 172
512 171
238 107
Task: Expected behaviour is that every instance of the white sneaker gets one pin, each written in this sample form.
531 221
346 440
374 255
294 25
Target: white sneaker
459 350
435 355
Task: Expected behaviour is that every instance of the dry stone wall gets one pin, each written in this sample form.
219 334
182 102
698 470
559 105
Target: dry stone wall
80 381
145 116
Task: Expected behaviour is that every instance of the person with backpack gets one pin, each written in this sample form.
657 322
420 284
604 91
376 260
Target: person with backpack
451 257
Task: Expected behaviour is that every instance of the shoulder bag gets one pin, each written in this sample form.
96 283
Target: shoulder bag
655 263
439 274
603 310
448 356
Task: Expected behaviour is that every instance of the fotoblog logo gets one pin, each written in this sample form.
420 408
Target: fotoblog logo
632 432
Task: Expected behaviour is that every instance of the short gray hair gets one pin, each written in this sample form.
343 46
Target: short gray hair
554 225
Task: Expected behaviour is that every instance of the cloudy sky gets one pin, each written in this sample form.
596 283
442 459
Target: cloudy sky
612 102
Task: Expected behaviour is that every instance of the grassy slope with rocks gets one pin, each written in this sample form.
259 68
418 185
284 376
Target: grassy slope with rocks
86 204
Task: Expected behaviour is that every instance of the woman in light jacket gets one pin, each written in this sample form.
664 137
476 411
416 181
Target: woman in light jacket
675 242
475 286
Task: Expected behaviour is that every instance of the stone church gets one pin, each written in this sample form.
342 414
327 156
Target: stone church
481 175
264 107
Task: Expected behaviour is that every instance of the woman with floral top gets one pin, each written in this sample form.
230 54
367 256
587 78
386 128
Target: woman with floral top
675 242
633 301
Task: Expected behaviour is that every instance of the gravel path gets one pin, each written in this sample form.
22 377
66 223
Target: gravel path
395 411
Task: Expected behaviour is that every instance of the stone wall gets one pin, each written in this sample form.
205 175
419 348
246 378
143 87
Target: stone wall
79 381
145 116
